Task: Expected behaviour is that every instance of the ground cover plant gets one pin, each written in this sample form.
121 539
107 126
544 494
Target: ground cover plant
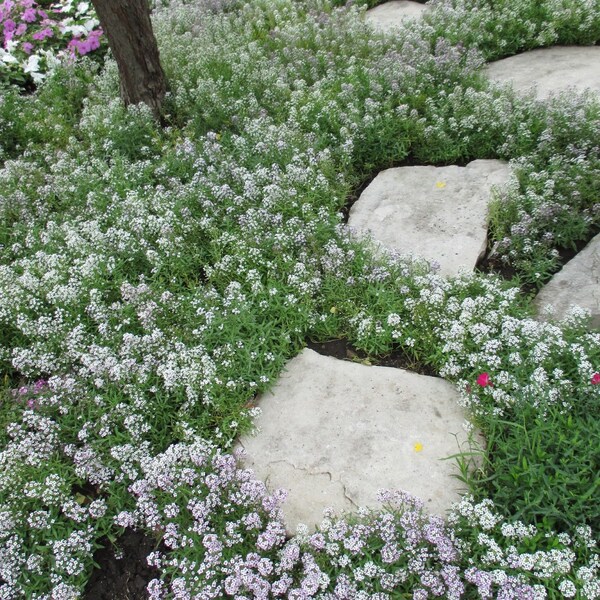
153 280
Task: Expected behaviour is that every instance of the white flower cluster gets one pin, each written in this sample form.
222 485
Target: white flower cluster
159 279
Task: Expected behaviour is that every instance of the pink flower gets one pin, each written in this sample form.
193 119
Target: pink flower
40 385
21 29
9 26
43 34
27 47
28 15
484 380
7 6
88 45
595 380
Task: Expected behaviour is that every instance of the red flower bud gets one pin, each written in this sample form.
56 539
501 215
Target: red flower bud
484 380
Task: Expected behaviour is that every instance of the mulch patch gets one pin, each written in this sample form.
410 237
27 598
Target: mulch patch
342 349
123 578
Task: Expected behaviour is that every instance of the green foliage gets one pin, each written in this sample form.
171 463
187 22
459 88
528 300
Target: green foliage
542 469
50 116
502 28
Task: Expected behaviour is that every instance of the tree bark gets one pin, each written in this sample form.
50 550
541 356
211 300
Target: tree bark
128 28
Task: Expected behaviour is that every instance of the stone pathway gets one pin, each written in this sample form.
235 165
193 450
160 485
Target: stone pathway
577 283
391 15
439 213
550 70
333 432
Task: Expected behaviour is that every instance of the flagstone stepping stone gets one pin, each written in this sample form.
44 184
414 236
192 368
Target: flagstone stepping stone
577 283
438 213
390 15
333 432
550 70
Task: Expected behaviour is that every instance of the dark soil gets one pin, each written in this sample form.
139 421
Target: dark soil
123 578
489 264
343 350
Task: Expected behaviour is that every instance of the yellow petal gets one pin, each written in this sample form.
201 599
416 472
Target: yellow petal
418 447
333 310
440 185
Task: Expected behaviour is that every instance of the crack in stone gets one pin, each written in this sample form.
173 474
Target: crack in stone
310 471
347 496
307 470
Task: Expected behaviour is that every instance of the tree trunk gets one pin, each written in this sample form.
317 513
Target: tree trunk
127 26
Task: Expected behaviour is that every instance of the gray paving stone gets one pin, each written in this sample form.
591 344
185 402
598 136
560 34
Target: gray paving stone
333 432
439 213
390 15
576 284
550 70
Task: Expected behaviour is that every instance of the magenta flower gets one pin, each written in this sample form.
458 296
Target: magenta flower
484 380
595 380
21 29
27 47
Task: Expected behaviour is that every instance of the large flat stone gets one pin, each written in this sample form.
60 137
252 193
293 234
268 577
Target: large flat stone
333 432
576 284
550 70
393 14
439 213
